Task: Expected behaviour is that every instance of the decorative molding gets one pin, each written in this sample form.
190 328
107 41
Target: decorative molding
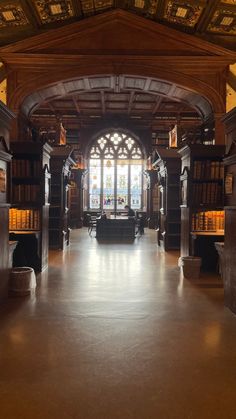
53 10
223 22
186 13
12 15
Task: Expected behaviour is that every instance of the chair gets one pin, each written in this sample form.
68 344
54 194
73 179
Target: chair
92 223
140 224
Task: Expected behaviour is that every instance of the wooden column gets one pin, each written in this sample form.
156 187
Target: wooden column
229 271
5 117
76 200
60 167
168 162
219 130
152 180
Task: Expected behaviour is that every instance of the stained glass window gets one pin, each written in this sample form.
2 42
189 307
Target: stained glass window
108 184
95 184
115 172
122 184
135 185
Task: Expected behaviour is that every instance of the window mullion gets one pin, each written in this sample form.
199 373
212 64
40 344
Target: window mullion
115 185
129 181
101 194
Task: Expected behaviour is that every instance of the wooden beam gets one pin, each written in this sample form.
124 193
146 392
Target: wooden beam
131 100
76 105
207 16
160 9
157 104
31 13
103 105
77 7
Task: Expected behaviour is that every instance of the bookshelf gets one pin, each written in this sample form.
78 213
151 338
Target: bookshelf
76 198
168 163
29 212
5 158
60 166
228 265
202 200
152 197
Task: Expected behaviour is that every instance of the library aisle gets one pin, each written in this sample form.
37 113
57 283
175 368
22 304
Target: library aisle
115 332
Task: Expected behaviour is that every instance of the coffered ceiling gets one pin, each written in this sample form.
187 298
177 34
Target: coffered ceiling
213 20
130 108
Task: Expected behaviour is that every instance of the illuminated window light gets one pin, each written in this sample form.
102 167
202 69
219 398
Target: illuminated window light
56 9
8 16
181 12
227 21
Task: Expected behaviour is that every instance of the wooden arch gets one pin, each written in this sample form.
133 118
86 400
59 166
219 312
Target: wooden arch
205 100
184 67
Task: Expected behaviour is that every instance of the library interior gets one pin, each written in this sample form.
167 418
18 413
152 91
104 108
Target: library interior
117 208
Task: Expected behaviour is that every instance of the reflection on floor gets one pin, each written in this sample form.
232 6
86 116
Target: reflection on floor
115 332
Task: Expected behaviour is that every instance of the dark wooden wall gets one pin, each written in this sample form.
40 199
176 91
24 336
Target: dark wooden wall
5 117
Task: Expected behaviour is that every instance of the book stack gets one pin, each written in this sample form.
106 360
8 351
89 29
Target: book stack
208 169
208 221
206 193
25 193
25 168
27 219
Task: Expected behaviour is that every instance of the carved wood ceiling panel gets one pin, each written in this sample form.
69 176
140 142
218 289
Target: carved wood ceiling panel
212 20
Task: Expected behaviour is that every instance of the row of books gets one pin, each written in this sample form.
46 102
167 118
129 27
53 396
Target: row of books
207 193
27 219
25 193
208 169
208 221
26 168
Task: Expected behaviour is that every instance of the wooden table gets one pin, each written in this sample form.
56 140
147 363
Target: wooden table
120 228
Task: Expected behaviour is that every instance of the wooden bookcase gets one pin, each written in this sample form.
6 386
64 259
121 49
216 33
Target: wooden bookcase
76 198
60 167
168 164
228 263
202 200
5 158
28 220
152 197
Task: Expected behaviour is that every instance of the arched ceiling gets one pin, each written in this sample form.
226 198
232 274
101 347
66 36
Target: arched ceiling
148 103
213 20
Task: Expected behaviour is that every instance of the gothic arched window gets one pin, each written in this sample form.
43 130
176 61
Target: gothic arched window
115 172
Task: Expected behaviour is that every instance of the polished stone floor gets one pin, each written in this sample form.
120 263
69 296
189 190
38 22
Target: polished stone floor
114 332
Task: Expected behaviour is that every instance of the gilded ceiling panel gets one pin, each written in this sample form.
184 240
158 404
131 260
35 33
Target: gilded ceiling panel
12 14
185 13
91 6
148 7
53 10
223 21
102 4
